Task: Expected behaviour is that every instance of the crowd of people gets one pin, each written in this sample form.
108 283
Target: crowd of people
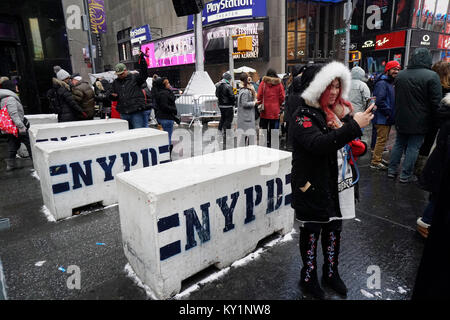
330 117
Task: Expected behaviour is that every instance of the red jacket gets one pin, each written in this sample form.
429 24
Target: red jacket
273 92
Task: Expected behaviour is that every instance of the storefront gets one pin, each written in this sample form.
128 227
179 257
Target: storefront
32 41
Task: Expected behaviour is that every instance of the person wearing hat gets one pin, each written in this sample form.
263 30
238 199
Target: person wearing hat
62 100
384 115
418 94
10 99
127 91
227 100
323 124
84 96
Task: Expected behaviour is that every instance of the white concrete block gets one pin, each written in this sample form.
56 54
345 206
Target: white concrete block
179 218
42 118
82 171
63 131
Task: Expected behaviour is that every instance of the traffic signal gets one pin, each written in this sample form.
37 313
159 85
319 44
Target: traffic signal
354 56
245 44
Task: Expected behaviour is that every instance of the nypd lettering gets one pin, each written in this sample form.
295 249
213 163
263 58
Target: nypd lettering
200 226
79 174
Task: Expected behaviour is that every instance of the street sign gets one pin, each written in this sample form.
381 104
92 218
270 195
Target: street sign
353 27
339 31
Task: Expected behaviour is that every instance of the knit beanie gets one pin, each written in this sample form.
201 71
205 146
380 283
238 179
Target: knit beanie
226 76
391 64
62 75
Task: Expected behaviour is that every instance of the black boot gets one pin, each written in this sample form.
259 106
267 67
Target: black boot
170 150
331 243
308 275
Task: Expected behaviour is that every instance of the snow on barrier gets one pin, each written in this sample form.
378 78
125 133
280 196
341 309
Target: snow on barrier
42 118
177 219
63 131
82 171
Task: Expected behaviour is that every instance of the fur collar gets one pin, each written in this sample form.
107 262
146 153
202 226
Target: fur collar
322 80
272 81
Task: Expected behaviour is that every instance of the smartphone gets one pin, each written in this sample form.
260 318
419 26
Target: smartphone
371 101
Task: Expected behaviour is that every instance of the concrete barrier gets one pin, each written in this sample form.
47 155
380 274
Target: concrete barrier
42 118
178 219
82 171
63 131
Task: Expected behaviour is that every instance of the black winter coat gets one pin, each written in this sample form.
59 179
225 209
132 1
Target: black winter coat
314 160
129 90
438 162
64 103
225 94
165 101
433 279
418 93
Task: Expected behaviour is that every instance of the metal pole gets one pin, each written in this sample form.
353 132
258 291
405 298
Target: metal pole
231 48
348 20
408 47
86 10
199 56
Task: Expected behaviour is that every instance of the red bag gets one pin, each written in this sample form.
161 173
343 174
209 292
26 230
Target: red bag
6 123
114 113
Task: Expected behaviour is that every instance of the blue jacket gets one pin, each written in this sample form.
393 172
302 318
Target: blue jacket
384 92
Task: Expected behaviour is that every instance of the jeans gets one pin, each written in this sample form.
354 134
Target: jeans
427 216
382 137
167 126
137 119
410 145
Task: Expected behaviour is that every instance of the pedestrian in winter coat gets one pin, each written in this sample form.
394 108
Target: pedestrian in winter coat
433 278
102 90
359 94
127 91
9 98
321 197
435 167
359 91
167 110
418 93
246 103
384 115
64 103
84 96
227 100
271 95
442 68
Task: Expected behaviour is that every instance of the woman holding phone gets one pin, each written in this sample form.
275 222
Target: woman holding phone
323 124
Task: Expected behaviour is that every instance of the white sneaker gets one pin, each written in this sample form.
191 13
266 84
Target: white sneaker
422 227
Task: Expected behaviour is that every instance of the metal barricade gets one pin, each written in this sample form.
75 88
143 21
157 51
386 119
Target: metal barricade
197 106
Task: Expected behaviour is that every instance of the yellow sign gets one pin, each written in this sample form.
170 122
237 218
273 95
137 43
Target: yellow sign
354 56
245 44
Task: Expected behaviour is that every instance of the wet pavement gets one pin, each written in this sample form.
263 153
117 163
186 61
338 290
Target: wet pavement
381 241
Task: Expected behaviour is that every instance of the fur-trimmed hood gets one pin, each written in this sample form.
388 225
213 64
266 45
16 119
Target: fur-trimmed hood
323 79
60 83
271 80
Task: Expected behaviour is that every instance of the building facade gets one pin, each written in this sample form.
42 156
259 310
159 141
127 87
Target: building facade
32 40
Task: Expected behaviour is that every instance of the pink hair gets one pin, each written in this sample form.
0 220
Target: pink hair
325 97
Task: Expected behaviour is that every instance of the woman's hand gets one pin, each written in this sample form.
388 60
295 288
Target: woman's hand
363 118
